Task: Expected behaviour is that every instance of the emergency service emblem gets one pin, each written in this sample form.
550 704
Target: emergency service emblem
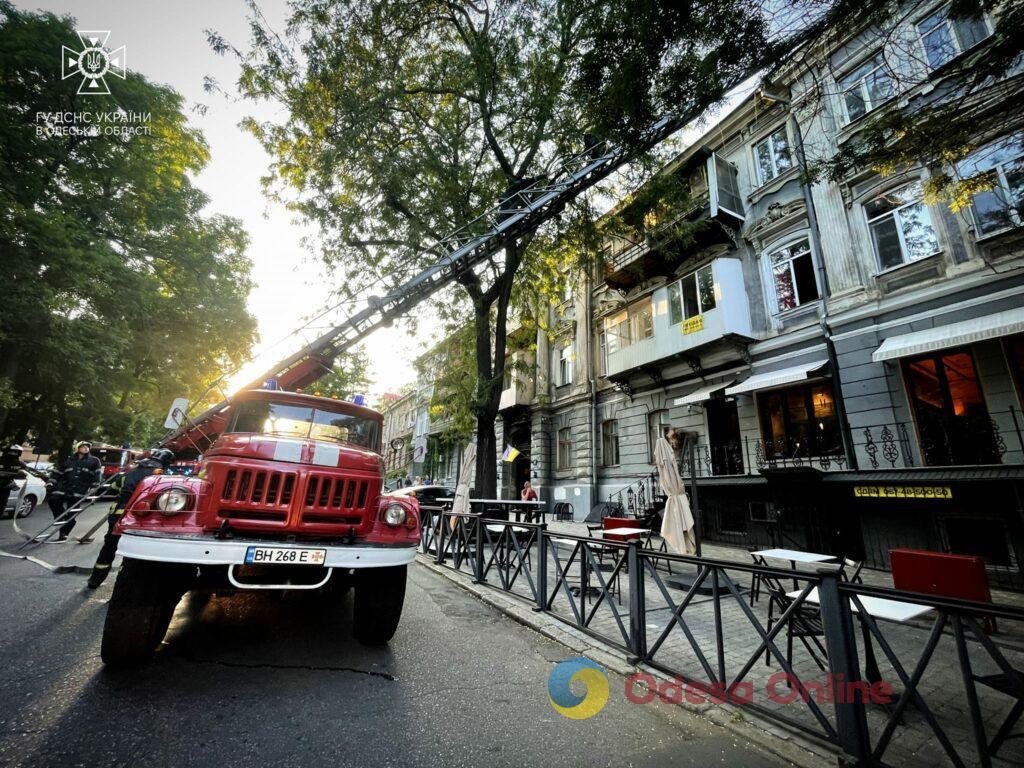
93 63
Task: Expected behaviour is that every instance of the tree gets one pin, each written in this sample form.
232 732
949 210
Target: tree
405 119
120 294
348 377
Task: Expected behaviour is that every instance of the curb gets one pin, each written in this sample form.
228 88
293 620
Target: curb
792 746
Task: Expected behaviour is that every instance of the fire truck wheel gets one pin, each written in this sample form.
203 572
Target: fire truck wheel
377 607
140 610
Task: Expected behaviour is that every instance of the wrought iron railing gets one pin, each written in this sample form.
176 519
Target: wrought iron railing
639 497
914 681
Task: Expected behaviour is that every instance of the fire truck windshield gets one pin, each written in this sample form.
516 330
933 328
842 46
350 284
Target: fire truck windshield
298 421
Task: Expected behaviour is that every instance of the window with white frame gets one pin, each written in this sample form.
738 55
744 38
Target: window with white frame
943 38
693 295
793 277
564 448
901 226
565 365
771 156
1000 207
633 324
867 87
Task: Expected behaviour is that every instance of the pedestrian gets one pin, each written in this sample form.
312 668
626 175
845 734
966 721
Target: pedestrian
76 476
407 482
528 494
157 461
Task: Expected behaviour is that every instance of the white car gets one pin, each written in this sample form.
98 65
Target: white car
34 495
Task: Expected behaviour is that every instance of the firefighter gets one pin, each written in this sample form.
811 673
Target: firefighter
11 468
157 462
76 475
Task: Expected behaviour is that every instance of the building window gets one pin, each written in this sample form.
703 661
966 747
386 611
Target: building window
943 38
953 424
602 353
771 156
564 448
565 365
866 88
901 227
1015 357
656 423
1000 207
693 295
793 275
799 422
629 326
610 442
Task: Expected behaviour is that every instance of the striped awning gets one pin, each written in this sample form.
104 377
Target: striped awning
701 394
992 326
778 378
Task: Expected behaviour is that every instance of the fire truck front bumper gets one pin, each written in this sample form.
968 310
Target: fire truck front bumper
205 550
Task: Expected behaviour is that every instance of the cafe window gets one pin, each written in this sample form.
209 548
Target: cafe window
1001 164
693 295
944 38
953 424
799 422
793 275
564 448
901 227
867 87
772 157
656 423
610 442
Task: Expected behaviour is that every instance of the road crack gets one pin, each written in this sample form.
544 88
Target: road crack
306 667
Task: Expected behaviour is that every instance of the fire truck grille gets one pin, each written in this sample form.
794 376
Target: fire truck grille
266 489
332 499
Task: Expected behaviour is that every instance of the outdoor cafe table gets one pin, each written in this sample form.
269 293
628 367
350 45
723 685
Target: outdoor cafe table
879 608
793 555
524 511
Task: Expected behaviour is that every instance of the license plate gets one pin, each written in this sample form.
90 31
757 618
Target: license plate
285 556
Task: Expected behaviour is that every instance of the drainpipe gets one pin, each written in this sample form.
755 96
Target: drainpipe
592 389
819 262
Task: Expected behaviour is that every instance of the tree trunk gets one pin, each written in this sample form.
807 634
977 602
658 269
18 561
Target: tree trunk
9 371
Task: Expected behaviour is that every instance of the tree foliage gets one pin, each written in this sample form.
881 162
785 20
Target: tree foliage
120 293
348 377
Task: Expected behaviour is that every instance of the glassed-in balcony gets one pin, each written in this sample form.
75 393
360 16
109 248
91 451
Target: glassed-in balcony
704 306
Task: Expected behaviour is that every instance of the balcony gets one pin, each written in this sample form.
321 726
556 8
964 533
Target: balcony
519 373
729 318
710 217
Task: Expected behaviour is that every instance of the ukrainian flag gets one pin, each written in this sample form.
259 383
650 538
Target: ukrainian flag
510 453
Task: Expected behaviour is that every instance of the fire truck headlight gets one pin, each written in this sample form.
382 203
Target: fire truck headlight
394 515
173 501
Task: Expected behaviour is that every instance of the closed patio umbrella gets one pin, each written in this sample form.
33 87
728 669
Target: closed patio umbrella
677 524
466 470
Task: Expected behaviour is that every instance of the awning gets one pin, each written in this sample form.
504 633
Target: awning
702 394
952 335
778 378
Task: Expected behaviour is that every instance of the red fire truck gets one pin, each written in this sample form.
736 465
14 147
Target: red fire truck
287 496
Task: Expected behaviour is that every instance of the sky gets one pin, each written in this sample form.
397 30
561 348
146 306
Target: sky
165 41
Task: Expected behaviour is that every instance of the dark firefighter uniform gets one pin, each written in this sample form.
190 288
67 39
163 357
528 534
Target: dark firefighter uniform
157 462
76 475
11 468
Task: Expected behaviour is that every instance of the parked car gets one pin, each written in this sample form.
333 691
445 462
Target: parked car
33 497
426 494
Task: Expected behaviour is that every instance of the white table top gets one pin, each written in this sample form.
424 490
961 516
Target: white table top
500 528
505 501
879 607
794 555
625 531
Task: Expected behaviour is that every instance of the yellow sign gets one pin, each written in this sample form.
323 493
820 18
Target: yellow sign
693 324
903 491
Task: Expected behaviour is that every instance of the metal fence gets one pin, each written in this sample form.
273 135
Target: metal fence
786 645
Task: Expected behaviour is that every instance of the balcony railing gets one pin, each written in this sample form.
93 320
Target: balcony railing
995 439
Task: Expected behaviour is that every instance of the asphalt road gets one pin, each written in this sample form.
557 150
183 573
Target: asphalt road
254 681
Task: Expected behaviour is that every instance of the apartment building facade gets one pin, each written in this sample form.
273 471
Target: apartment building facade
846 357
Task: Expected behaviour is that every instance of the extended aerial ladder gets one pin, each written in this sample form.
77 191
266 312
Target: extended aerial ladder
518 214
